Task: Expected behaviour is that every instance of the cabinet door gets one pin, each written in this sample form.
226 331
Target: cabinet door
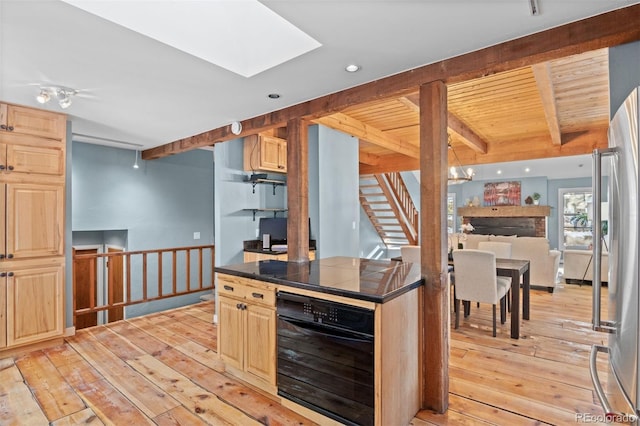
230 332
34 159
36 122
282 156
271 154
3 313
35 303
260 342
35 220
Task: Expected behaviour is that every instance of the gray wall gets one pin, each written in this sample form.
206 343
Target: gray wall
334 192
159 205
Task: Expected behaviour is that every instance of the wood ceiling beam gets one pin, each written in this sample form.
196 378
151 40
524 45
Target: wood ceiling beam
542 74
351 126
608 29
469 137
367 158
578 143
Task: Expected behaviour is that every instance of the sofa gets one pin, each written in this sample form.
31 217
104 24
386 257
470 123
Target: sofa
544 263
578 266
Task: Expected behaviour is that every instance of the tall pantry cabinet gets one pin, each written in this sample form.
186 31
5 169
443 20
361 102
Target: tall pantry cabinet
32 202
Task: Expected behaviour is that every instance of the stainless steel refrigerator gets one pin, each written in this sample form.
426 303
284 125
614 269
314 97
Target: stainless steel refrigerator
619 398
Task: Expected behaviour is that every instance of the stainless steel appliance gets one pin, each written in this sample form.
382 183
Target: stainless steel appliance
620 399
325 357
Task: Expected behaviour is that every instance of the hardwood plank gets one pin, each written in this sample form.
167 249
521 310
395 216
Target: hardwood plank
17 404
139 389
84 417
53 393
179 416
197 400
111 407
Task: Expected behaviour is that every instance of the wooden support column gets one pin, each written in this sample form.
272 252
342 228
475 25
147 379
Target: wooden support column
298 190
434 344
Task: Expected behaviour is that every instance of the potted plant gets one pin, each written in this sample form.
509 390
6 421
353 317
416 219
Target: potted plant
536 198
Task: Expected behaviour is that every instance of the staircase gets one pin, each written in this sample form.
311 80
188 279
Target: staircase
385 199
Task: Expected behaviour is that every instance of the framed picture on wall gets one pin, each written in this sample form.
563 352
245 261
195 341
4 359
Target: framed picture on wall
502 193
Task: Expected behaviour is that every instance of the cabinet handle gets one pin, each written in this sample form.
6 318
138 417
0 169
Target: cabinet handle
9 256
10 167
244 307
239 305
228 288
3 127
280 167
2 256
10 274
2 167
10 128
257 295
3 274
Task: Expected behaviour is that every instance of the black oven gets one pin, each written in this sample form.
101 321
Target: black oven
326 357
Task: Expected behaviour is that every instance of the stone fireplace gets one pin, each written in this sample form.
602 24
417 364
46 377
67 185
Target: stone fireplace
523 221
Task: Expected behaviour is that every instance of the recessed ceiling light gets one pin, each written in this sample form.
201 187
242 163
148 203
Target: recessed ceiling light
499 172
527 169
352 68
273 96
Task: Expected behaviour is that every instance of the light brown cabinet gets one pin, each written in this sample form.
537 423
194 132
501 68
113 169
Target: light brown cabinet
34 301
32 203
265 153
28 121
247 330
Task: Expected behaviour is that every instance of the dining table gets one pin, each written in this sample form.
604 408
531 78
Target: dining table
515 268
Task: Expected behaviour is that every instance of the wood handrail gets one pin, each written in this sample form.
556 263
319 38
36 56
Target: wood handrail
405 203
179 265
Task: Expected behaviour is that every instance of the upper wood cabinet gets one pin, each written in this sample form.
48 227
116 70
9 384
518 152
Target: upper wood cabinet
265 153
19 159
29 121
34 221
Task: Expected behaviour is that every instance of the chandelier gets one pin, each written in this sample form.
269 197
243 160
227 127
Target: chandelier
457 174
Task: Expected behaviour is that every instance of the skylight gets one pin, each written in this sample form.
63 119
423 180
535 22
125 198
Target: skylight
242 36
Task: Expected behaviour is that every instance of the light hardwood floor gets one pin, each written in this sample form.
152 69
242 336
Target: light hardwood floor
162 369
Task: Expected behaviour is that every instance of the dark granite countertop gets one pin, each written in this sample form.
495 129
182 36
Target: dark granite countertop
255 246
365 279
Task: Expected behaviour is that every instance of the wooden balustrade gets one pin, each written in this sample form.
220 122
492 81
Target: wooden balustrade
138 274
404 201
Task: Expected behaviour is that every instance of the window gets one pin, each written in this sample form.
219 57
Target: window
451 213
575 221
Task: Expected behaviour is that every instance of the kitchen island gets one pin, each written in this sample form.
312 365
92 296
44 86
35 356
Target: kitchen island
335 338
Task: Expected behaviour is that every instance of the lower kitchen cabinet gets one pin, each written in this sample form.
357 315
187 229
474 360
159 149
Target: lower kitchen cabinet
247 330
33 293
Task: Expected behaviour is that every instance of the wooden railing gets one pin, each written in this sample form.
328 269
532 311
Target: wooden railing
145 276
405 203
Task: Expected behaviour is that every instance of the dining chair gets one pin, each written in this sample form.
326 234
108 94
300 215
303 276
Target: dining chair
410 254
476 280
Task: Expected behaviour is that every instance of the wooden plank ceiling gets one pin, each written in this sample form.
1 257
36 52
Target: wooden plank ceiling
551 109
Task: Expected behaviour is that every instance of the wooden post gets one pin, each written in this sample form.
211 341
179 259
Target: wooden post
297 191
434 345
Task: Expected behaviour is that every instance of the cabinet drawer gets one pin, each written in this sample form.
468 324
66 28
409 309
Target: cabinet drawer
251 291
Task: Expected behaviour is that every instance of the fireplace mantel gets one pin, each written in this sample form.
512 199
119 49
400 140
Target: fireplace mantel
505 211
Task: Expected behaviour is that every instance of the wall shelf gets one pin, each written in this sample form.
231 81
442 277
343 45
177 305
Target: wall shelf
274 182
505 211
274 211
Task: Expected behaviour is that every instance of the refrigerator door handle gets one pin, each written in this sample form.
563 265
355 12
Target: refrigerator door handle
610 414
598 323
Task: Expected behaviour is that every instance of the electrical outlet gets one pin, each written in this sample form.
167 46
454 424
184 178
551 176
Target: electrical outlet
196 235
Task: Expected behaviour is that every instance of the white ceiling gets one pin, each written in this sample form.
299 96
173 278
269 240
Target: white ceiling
144 93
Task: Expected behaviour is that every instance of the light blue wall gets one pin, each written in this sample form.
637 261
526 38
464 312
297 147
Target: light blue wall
233 225
333 192
624 74
159 205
